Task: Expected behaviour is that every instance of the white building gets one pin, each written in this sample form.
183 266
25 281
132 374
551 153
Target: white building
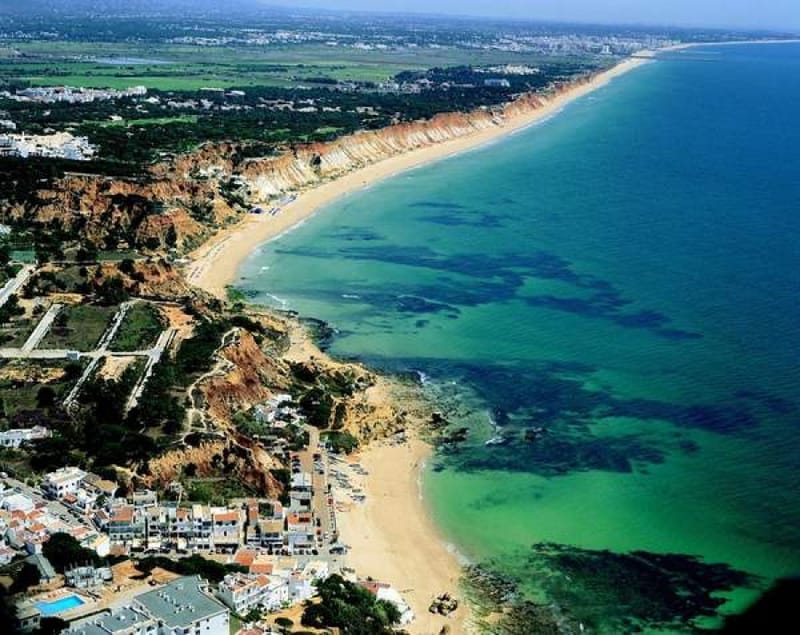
16 437
64 481
87 577
17 503
242 592
125 620
184 607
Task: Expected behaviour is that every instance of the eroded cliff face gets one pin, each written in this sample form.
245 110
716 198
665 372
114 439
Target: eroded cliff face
309 164
181 202
155 279
237 458
154 213
247 376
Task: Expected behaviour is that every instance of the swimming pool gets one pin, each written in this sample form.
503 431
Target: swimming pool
59 606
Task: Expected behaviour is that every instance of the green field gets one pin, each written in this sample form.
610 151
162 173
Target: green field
139 330
182 67
149 121
16 332
78 327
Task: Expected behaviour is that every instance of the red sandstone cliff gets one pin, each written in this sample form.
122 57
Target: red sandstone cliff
180 202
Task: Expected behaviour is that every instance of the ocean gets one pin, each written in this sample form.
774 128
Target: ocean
613 296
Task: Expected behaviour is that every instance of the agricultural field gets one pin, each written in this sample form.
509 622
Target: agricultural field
190 68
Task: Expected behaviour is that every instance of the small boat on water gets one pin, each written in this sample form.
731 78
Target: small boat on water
498 440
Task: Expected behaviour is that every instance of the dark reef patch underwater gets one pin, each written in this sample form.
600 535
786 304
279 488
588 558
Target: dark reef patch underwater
603 592
605 308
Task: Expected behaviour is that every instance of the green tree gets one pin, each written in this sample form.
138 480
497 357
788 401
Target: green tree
45 397
253 615
10 310
127 266
26 577
351 608
112 291
51 626
5 252
63 551
86 253
8 614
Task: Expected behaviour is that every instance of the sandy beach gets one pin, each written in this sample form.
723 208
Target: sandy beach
392 535
393 538
215 264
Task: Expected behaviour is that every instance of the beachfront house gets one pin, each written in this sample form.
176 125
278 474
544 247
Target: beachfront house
226 530
126 526
241 592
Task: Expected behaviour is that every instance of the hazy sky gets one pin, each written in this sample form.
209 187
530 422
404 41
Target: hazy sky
778 14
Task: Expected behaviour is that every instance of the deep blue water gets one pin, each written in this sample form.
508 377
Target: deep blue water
625 276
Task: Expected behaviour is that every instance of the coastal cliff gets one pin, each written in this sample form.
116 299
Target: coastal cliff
180 202
307 165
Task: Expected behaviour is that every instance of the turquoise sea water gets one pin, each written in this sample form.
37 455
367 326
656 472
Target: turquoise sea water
625 276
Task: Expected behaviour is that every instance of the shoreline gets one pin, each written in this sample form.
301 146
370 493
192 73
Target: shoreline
394 539
215 264
392 535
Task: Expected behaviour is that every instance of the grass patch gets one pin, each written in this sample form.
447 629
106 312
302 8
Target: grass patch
235 294
150 121
215 491
139 330
27 256
78 327
117 256
21 382
7 272
16 333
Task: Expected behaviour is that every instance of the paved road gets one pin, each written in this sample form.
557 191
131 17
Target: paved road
15 284
99 353
42 328
111 331
319 484
62 353
154 356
